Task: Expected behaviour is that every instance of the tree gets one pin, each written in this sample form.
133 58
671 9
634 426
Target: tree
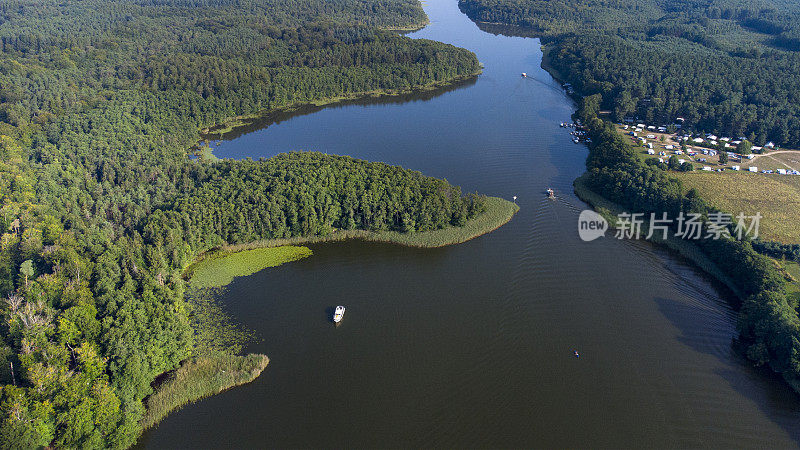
624 105
24 423
590 107
723 157
745 147
26 268
674 163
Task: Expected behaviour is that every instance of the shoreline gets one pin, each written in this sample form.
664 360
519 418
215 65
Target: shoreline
203 376
608 209
498 213
230 125
686 249
197 378
410 28
548 66
213 271
605 207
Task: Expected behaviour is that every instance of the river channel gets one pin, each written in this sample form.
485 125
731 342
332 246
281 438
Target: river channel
472 345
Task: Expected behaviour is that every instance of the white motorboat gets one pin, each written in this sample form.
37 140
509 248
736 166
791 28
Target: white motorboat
338 314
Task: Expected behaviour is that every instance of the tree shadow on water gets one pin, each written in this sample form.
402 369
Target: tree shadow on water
329 310
283 114
707 329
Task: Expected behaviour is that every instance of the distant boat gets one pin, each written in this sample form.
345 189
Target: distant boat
551 193
338 314
524 75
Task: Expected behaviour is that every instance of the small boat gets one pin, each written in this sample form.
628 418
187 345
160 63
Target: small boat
338 314
551 193
524 75
577 355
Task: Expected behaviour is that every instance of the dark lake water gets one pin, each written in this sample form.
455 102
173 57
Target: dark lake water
472 345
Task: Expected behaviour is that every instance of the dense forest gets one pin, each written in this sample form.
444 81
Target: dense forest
102 207
725 66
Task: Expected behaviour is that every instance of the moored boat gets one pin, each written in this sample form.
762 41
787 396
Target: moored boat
338 314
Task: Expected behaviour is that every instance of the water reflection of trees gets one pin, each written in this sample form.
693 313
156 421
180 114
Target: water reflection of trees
277 117
508 30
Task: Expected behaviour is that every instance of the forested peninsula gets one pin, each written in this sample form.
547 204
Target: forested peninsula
723 66
103 208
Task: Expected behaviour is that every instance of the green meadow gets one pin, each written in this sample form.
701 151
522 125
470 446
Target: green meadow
776 197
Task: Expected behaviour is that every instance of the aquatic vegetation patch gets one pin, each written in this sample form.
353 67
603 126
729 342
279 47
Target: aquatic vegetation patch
220 269
214 330
198 378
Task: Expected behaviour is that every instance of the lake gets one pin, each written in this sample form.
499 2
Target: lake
472 345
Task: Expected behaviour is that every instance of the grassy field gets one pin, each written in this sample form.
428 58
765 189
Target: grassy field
776 197
220 268
793 269
788 160
198 378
